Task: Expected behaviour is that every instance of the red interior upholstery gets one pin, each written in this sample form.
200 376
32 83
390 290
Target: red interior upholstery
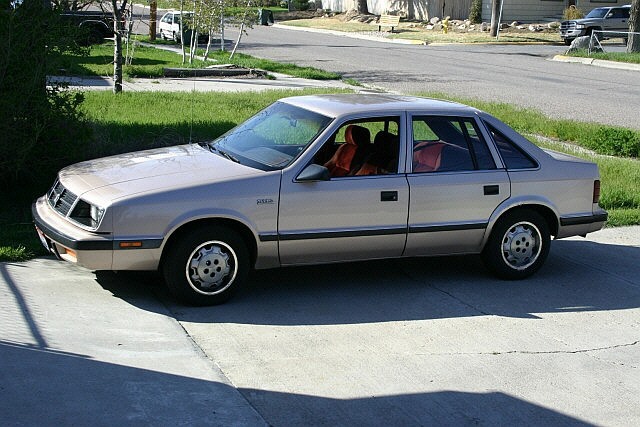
340 163
427 156
384 158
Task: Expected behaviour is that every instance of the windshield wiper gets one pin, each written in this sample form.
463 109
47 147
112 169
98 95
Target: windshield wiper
224 153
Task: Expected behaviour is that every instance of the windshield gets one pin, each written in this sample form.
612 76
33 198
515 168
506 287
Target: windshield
273 138
597 13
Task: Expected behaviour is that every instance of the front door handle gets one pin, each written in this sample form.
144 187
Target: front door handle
389 196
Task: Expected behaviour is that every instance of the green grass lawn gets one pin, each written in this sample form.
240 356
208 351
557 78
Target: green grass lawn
407 30
149 62
133 121
632 58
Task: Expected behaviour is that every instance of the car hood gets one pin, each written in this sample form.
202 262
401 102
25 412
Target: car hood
112 178
587 21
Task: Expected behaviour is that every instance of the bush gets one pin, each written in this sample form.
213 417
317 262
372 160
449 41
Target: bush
41 127
300 4
475 13
615 142
572 12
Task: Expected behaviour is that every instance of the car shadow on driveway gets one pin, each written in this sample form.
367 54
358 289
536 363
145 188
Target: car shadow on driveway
578 276
46 384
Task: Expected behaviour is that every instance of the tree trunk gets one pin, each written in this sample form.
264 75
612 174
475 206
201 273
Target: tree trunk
362 7
495 13
153 18
633 44
222 29
181 32
117 46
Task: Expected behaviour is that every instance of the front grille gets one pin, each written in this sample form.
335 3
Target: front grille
566 26
61 199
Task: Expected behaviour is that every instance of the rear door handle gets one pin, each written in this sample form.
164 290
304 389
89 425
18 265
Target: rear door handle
389 196
491 190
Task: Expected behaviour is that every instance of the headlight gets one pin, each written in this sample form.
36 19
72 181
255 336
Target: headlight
580 26
96 214
87 214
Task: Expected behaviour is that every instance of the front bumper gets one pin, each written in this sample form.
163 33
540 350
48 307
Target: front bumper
571 34
70 243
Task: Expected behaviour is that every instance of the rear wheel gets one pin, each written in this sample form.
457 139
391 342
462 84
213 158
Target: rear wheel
206 266
518 245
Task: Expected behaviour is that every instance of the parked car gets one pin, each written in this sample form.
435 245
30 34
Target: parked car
171 23
93 25
599 19
322 179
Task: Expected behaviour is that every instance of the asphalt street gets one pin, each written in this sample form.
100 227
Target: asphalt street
402 342
516 74
522 75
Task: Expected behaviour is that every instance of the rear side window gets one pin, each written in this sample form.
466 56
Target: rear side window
512 155
448 144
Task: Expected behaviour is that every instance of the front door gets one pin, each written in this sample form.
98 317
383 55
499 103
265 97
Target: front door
361 211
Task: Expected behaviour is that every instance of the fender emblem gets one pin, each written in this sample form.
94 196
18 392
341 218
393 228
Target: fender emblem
264 201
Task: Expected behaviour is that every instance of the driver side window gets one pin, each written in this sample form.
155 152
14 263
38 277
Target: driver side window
362 147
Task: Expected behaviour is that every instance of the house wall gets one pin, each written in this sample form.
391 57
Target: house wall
413 9
538 10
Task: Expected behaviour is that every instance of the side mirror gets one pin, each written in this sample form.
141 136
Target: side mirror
314 172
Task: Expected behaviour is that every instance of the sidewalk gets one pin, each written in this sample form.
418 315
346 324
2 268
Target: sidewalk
203 84
597 62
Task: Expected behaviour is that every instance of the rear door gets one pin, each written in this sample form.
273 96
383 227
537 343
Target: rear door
455 185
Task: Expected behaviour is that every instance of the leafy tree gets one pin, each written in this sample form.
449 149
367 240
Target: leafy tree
633 44
41 126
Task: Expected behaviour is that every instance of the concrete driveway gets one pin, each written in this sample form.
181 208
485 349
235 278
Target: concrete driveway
401 342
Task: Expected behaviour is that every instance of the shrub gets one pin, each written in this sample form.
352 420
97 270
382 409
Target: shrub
475 13
40 125
615 142
573 12
300 4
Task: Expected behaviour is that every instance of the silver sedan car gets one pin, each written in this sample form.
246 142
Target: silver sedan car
322 179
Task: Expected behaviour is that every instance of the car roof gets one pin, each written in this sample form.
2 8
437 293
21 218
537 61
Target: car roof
336 105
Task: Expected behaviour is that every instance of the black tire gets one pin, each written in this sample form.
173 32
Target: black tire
518 245
175 37
206 266
567 42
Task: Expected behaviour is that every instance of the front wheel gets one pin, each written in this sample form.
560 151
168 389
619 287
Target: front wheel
518 245
206 266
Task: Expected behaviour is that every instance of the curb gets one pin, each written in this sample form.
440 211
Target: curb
352 35
597 62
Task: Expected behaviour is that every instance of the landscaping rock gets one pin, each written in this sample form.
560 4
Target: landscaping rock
434 20
583 43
